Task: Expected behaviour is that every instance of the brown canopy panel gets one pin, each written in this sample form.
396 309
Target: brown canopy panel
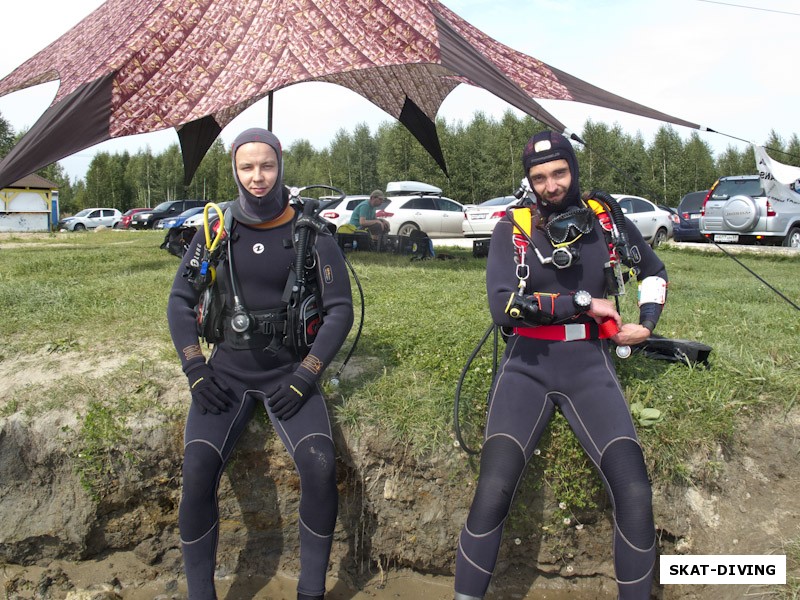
136 67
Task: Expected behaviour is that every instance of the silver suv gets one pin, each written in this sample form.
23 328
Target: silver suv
737 210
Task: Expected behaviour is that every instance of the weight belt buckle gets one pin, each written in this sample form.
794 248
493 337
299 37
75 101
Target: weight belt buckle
575 331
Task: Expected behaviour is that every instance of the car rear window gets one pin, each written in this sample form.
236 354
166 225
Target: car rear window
692 202
728 188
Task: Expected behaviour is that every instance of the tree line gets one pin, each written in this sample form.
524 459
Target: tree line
482 156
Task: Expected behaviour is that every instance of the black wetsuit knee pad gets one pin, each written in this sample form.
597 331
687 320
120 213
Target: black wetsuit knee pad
316 463
624 468
201 465
502 463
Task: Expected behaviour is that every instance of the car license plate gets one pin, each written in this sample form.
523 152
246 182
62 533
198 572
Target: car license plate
476 217
724 237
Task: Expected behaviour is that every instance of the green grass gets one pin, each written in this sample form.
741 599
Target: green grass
80 295
790 591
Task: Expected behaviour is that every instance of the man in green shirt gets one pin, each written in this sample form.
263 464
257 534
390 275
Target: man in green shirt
363 216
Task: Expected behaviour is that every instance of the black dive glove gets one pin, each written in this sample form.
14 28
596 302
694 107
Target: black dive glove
290 395
210 393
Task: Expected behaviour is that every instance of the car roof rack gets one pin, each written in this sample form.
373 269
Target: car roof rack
405 188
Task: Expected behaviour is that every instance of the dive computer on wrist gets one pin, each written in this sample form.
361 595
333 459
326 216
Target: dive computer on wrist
582 300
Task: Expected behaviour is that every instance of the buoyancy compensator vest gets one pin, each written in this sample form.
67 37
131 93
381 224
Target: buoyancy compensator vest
221 314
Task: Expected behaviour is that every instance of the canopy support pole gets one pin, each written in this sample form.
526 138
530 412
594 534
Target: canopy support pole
269 112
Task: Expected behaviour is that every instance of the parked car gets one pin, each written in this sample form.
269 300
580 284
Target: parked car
178 220
479 220
147 219
338 211
90 218
737 210
415 206
673 212
687 229
125 221
652 222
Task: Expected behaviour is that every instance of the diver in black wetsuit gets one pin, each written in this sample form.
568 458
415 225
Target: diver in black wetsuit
548 290
249 368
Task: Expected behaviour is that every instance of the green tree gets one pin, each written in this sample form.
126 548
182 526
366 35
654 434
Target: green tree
66 197
735 162
141 176
774 145
170 174
343 158
365 159
105 181
209 181
6 137
698 172
599 157
301 166
665 154
395 162
793 151
78 199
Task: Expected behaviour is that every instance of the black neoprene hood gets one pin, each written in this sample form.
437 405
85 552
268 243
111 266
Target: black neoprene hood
547 146
259 209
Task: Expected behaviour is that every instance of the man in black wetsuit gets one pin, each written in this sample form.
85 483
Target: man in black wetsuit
248 367
546 286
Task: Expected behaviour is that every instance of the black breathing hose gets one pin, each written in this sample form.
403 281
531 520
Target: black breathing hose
456 420
335 379
619 220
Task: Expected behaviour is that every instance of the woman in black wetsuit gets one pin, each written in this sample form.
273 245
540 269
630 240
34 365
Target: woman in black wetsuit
546 285
248 368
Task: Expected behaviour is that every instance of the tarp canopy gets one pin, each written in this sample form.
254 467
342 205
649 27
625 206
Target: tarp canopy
781 182
137 67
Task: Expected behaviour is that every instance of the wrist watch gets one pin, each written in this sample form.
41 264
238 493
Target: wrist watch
582 300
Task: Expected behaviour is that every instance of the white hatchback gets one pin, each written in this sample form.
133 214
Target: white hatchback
415 206
653 223
338 211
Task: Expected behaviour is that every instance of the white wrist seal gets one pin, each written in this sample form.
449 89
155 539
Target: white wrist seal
652 289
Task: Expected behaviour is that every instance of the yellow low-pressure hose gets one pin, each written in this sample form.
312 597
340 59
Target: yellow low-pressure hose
212 245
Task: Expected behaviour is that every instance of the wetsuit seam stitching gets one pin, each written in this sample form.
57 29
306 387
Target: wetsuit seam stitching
589 436
312 532
211 530
470 561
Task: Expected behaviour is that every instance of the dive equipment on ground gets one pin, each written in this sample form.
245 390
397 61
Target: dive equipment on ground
688 352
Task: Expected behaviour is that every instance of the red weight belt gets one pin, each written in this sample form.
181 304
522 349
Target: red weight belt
571 331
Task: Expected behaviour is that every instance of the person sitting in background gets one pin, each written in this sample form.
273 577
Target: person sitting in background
363 216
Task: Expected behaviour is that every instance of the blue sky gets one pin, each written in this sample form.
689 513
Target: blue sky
730 68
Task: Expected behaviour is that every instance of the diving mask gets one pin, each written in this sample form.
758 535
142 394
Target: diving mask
566 227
